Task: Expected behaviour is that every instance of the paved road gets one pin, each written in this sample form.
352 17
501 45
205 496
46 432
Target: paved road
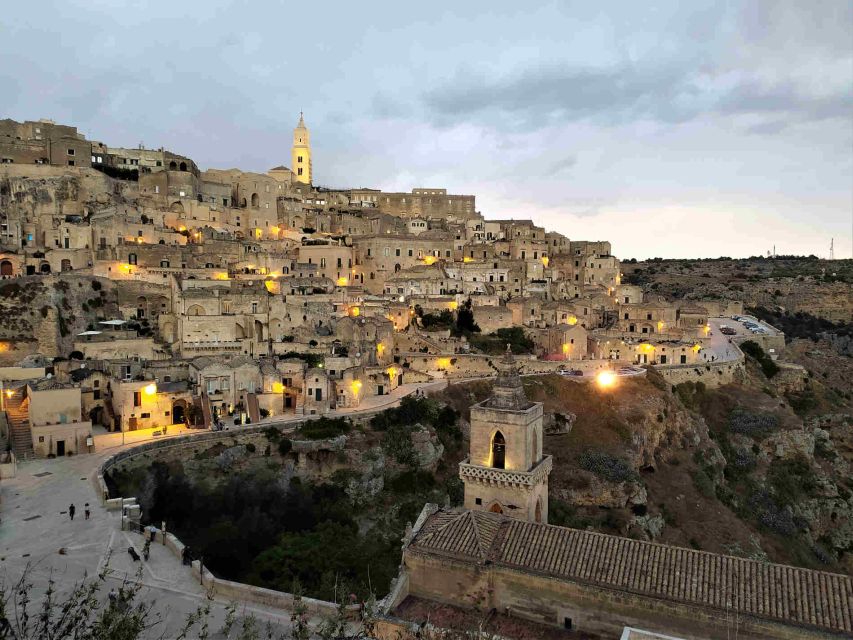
718 348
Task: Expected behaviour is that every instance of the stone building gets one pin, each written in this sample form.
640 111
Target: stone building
587 582
43 142
506 471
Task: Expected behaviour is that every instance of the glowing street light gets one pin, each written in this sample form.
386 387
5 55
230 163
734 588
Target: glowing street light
605 379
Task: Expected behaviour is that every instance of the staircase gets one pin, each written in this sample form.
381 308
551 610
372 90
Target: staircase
252 408
206 411
18 415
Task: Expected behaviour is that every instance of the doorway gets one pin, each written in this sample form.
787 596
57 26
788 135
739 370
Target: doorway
178 414
60 448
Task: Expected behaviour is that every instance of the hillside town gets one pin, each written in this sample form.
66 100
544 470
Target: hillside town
223 297
167 326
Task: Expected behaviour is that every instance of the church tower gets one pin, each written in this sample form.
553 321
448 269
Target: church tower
300 153
505 471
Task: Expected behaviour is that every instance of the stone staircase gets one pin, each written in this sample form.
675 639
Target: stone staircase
18 415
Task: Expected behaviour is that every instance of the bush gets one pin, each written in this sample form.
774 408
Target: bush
703 483
754 351
397 444
752 424
272 434
284 446
607 466
324 428
802 402
250 447
792 479
265 413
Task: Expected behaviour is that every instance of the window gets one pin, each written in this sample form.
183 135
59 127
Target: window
254 307
145 415
683 359
478 501
131 258
498 451
71 152
298 158
299 171
137 399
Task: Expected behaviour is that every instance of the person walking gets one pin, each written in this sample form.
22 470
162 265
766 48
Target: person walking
113 597
86 511
71 511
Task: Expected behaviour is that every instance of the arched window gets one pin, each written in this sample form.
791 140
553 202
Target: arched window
255 200
183 166
173 165
498 451
539 510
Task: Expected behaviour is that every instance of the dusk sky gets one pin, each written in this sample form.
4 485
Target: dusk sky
682 129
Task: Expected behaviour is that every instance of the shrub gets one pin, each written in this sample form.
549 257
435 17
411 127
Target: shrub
752 424
802 402
703 483
607 466
265 413
397 444
324 428
250 447
754 351
284 446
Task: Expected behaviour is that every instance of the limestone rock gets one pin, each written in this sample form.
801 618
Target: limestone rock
592 491
226 460
427 447
651 526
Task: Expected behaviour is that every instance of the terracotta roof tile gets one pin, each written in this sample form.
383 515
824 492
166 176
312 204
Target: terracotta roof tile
778 592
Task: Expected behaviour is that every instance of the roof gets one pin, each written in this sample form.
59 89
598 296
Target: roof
775 592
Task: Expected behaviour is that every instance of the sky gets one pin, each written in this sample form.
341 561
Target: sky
674 129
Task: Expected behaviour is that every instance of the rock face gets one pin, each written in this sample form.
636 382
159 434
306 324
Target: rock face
649 527
428 449
559 423
592 491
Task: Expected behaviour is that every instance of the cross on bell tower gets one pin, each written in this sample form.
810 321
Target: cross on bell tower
505 471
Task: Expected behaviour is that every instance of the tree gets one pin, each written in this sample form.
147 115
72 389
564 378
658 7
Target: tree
465 319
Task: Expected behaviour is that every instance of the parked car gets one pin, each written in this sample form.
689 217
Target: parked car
728 331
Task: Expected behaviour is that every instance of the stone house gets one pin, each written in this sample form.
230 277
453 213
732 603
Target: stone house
57 423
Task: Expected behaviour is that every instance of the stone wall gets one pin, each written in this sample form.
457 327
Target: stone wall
712 374
591 609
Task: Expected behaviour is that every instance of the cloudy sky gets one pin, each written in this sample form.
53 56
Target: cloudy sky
672 129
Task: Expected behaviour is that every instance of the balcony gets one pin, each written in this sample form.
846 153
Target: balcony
505 477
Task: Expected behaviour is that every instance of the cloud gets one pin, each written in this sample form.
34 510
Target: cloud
539 97
561 165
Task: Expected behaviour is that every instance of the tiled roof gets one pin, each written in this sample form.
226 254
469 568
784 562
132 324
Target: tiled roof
772 591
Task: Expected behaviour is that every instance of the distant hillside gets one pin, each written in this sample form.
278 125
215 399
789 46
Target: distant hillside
821 288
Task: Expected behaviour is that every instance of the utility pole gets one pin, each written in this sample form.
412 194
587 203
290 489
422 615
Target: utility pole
832 249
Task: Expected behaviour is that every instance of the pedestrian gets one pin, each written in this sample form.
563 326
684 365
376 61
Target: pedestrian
113 597
87 512
71 511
